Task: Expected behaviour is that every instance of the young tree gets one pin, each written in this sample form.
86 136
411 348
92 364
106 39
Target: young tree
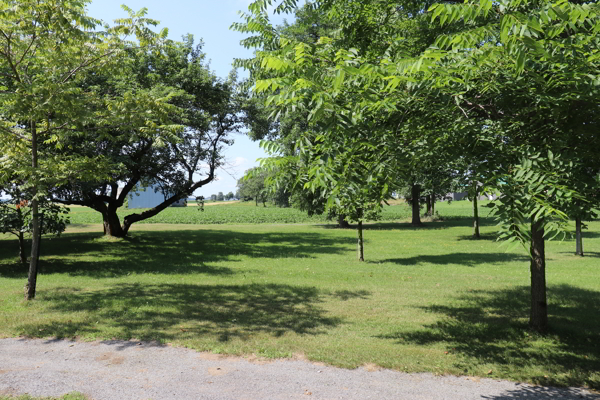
527 68
16 218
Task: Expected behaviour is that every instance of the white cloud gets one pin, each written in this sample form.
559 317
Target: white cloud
239 161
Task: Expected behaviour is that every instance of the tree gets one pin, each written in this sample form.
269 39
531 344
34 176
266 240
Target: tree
45 48
531 69
252 185
205 109
16 217
220 196
527 71
229 196
213 197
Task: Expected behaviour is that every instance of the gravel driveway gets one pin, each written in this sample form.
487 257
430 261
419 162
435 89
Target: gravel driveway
118 370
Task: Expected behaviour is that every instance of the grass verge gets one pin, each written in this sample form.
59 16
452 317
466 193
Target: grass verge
69 396
427 299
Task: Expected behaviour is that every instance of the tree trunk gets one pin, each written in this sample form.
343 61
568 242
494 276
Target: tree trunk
35 239
361 252
539 308
428 202
342 223
476 216
112 225
416 206
432 203
22 255
578 238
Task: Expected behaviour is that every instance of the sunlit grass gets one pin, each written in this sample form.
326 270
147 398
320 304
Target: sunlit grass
427 299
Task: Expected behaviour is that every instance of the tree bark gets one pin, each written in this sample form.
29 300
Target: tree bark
578 238
432 203
22 255
35 239
428 202
476 216
361 252
539 308
112 224
416 206
342 223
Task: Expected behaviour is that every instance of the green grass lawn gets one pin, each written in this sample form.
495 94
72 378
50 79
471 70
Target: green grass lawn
427 299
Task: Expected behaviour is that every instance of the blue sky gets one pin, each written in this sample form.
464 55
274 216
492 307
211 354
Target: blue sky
208 20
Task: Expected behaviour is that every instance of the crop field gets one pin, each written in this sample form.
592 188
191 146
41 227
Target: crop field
249 213
426 299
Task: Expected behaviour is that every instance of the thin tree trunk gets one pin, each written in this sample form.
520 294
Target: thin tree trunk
35 239
416 206
578 238
361 252
22 255
539 307
432 203
476 216
428 202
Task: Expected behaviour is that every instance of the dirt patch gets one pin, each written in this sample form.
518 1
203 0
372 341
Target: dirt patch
372 367
112 358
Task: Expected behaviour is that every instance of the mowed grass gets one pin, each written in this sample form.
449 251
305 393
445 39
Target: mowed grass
427 299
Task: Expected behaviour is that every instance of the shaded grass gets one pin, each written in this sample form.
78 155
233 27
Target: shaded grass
424 301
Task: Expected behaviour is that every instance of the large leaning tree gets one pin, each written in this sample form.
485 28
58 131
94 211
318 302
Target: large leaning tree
206 108
46 49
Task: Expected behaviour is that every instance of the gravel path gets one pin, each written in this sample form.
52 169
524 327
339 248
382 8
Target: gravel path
118 370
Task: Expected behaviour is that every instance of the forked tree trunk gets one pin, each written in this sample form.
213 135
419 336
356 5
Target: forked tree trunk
475 217
361 252
539 308
112 224
416 207
578 238
35 239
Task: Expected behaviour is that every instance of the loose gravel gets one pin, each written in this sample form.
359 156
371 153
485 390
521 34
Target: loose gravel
128 370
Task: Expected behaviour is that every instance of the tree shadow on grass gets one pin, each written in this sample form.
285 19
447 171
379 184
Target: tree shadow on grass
484 236
491 327
167 312
168 252
593 254
523 392
398 226
446 223
465 259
